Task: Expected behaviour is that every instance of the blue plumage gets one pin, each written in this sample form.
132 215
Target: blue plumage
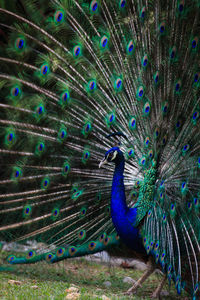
123 217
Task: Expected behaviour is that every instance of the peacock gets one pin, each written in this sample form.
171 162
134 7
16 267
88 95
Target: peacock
99 130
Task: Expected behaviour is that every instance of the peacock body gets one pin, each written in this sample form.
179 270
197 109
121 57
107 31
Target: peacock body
72 73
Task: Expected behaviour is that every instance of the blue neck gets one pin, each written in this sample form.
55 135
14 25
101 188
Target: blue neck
123 217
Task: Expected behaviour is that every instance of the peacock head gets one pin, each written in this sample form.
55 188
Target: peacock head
112 155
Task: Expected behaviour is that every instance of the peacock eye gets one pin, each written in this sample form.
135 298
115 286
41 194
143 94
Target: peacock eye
110 156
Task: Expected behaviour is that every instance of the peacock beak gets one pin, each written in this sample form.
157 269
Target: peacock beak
103 162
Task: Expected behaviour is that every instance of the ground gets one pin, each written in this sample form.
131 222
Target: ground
46 281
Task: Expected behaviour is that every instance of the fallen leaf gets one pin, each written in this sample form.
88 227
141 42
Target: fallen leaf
126 265
16 282
105 298
73 296
72 289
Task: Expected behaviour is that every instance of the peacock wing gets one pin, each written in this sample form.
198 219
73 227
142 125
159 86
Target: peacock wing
53 121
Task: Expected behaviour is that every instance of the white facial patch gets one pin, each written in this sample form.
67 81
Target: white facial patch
114 155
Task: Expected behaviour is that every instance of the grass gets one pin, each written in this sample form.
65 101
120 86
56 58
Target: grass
46 281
